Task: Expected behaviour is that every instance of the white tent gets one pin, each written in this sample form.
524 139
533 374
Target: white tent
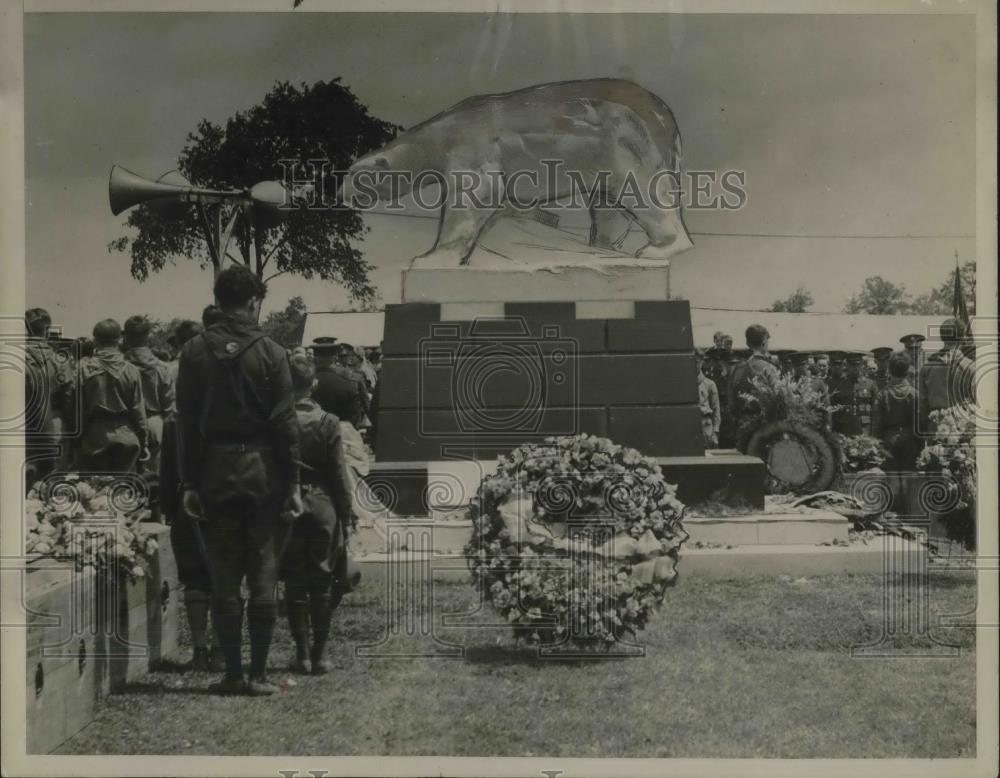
358 329
816 331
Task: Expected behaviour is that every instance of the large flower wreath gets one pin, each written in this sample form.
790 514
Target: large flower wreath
575 539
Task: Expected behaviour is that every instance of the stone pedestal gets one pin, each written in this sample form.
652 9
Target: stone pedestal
486 360
477 361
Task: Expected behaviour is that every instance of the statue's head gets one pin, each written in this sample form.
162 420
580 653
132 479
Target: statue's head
383 175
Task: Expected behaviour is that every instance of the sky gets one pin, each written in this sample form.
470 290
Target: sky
845 125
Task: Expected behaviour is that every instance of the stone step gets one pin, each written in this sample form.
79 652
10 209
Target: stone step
769 529
795 560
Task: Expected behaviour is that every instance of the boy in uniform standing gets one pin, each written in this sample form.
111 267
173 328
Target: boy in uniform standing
317 549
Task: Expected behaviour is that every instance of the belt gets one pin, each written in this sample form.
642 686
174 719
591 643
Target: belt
242 447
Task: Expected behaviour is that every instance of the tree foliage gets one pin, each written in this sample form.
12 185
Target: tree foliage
324 121
880 296
796 302
286 326
939 300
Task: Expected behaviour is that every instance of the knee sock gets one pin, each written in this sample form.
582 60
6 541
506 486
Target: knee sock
261 617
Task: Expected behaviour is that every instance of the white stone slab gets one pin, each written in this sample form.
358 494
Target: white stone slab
601 281
606 309
471 311
453 483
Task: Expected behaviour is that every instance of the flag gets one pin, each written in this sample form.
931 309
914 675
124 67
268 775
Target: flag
958 307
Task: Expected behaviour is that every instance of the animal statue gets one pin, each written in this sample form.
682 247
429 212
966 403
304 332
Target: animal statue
608 132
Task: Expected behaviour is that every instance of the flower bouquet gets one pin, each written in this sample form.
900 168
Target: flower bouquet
859 453
94 522
785 398
952 453
575 539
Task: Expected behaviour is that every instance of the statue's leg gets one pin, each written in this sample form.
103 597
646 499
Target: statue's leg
659 213
664 227
458 231
607 227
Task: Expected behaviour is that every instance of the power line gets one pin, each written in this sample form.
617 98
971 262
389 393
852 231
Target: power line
792 236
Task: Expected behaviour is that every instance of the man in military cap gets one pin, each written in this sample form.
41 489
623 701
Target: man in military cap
947 377
856 393
801 364
820 371
240 465
913 344
112 419
348 357
337 389
708 402
157 383
882 354
317 547
756 367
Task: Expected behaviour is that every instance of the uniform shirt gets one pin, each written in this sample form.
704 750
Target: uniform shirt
741 380
895 407
323 464
111 388
708 400
858 397
894 418
234 386
946 379
46 374
157 381
337 392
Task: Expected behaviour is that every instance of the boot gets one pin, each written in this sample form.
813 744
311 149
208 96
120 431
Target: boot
228 620
298 625
261 617
200 662
196 606
216 661
321 610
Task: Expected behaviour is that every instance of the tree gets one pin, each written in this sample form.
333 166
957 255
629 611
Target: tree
796 302
286 327
324 121
880 297
939 300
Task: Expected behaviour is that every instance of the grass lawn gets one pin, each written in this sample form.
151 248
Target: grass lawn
745 668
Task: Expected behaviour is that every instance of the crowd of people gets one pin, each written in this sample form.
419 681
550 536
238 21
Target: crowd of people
258 456
886 393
